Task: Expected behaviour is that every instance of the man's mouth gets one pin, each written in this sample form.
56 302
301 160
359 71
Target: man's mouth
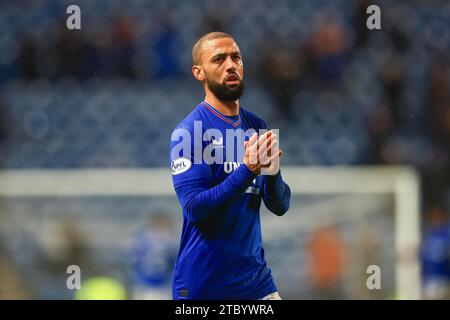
232 79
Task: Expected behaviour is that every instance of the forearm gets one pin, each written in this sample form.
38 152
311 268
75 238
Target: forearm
277 194
200 204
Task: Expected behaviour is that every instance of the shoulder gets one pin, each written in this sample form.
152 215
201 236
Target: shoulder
252 118
188 122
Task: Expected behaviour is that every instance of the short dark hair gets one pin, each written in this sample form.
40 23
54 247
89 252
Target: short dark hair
198 46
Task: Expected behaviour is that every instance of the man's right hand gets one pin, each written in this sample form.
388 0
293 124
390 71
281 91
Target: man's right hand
259 153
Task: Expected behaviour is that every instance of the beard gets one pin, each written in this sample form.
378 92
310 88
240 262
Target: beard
224 92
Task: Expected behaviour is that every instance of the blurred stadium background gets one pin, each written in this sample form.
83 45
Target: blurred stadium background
86 118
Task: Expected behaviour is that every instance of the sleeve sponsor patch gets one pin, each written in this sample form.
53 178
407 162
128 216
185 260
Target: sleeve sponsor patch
180 165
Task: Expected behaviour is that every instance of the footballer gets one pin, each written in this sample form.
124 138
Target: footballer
221 254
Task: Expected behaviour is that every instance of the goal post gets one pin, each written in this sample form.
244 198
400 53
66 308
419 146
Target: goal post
345 195
402 182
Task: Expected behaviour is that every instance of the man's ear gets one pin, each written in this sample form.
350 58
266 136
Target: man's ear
198 73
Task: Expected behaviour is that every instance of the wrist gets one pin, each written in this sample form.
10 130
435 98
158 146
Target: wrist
250 170
273 178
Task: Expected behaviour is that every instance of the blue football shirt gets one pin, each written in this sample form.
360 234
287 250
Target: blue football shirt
221 254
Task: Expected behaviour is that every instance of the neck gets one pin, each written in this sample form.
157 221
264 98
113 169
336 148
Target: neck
228 108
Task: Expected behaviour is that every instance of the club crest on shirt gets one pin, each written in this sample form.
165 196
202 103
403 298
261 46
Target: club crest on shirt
180 165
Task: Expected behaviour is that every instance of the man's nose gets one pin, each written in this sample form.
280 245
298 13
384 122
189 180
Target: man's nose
230 65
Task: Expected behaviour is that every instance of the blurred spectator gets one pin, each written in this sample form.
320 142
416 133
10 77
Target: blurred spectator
153 253
362 33
392 79
28 58
437 124
435 255
438 106
380 125
279 73
69 55
3 123
123 33
166 50
326 257
329 46
389 114
397 19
